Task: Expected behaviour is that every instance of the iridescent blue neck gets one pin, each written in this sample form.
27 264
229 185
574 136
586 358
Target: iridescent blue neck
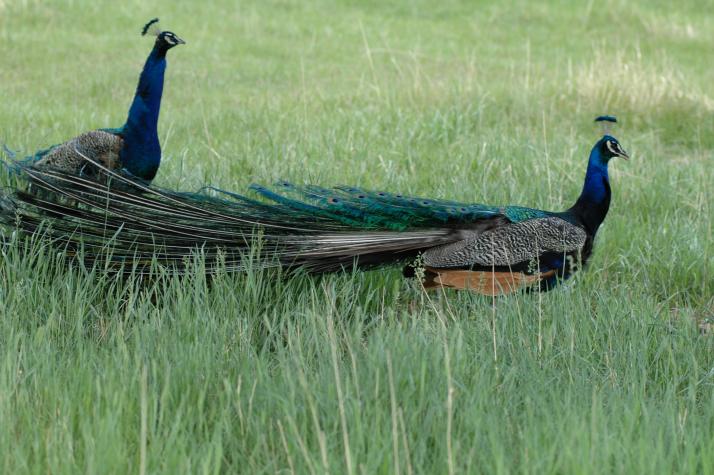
596 187
594 201
141 153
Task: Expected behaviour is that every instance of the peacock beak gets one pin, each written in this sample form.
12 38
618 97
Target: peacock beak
180 41
623 154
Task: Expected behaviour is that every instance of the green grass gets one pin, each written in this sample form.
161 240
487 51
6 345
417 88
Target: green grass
261 373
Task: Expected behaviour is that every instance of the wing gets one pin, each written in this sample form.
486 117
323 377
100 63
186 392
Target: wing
510 245
101 146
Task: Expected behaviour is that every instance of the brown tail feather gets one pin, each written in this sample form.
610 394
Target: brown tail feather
482 282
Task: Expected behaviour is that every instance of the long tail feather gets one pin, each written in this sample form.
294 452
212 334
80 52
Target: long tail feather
110 214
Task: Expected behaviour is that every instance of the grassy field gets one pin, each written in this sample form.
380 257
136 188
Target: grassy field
478 101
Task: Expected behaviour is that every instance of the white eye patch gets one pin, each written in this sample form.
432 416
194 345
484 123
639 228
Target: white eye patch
613 147
170 40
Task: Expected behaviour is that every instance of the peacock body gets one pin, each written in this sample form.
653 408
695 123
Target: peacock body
489 249
68 156
134 147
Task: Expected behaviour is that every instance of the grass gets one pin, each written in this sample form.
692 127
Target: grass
364 373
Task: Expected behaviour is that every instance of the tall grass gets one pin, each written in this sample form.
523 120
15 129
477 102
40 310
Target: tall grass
365 373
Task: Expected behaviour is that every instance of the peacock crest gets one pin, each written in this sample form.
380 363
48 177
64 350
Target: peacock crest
151 28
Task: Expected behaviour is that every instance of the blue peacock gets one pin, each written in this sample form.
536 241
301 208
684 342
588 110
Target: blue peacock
492 250
134 147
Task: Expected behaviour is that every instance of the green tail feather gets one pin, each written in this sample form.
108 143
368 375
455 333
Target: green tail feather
374 210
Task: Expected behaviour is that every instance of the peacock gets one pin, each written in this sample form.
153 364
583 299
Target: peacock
492 250
133 148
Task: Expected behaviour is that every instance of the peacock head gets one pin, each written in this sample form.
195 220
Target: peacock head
608 146
165 40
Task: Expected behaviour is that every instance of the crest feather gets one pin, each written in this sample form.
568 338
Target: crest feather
152 28
606 122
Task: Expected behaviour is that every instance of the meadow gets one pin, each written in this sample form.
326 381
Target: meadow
486 101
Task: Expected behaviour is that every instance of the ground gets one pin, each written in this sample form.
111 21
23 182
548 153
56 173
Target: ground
488 102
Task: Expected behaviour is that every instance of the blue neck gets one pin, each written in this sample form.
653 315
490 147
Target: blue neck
594 201
141 153
596 186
